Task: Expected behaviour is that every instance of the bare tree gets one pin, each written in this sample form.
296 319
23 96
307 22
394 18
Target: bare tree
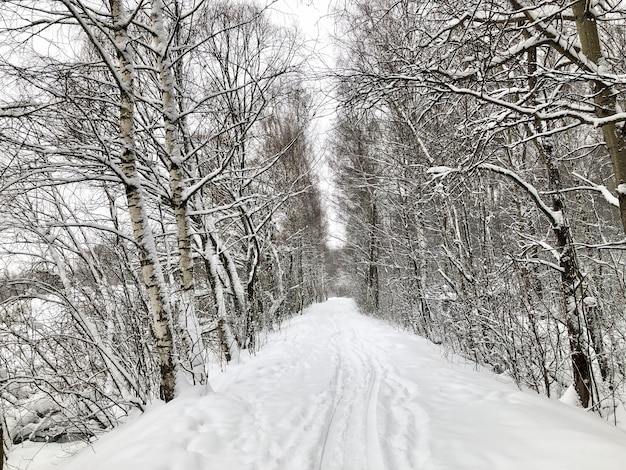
489 91
155 114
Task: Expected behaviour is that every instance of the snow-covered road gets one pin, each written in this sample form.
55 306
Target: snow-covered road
338 390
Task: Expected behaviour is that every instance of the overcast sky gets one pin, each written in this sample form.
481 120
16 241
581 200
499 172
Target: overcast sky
314 19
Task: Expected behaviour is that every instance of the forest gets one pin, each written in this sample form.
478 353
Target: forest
161 205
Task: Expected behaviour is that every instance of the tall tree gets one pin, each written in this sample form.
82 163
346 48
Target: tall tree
156 116
491 90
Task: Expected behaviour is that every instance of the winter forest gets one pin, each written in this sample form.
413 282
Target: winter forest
168 195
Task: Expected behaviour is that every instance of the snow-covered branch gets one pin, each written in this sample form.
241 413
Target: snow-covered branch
555 217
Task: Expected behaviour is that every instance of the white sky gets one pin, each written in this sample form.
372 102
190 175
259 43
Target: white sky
314 18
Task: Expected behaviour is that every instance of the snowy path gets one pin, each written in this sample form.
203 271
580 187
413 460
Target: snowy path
338 390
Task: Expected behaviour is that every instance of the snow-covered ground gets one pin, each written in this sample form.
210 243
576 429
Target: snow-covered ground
338 390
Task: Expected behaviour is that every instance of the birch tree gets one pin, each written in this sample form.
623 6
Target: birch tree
155 114
475 85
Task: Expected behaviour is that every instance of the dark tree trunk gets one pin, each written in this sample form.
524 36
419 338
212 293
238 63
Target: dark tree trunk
1 447
373 296
571 283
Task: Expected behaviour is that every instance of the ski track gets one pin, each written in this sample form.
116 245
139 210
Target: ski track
351 437
363 415
373 398
335 390
338 419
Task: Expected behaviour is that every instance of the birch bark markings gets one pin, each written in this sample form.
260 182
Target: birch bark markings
125 80
189 330
150 266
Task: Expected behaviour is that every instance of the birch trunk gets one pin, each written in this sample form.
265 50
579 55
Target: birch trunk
193 349
225 283
150 266
252 263
226 337
239 295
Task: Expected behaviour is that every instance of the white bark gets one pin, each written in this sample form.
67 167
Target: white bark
227 339
151 267
187 321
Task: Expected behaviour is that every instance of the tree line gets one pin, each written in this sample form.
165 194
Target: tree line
159 202
481 156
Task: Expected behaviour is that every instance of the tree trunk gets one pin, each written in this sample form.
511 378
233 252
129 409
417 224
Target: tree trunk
595 334
571 280
571 285
193 350
1 446
373 295
604 98
225 334
150 266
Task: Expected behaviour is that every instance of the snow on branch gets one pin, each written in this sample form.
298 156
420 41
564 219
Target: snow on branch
23 108
555 217
608 195
541 262
440 171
